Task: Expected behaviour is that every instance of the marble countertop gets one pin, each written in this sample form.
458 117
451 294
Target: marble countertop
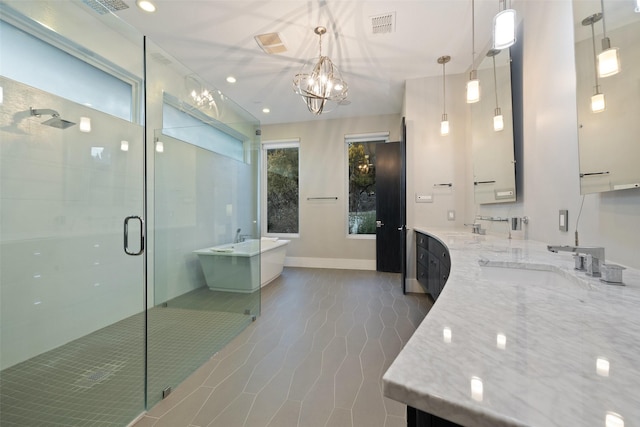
545 348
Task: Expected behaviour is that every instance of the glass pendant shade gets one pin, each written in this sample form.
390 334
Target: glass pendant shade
597 102
85 124
444 125
608 61
473 89
504 29
498 121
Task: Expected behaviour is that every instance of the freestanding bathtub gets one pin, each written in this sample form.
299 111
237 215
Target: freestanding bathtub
242 267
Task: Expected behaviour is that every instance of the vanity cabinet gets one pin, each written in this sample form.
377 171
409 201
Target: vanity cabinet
432 262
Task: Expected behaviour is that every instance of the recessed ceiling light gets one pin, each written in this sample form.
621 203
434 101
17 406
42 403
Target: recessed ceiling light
231 79
266 110
146 5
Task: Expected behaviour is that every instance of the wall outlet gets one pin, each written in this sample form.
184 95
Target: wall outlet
451 215
563 220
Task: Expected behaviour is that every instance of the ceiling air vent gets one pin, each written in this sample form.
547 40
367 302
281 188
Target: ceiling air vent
271 43
104 6
385 23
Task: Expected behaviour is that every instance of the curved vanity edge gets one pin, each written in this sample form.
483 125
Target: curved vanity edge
450 410
533 346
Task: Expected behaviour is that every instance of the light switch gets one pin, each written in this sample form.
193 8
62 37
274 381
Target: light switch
451 215
563 221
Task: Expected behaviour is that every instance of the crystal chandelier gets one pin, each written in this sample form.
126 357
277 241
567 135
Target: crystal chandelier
324 83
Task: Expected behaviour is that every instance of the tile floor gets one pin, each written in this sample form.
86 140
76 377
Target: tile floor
314 358
98 379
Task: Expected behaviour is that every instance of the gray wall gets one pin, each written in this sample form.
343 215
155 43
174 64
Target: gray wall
323 240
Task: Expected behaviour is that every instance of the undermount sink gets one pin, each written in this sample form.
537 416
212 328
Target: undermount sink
523 276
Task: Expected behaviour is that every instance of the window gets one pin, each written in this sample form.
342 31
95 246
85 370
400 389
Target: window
281 188
38 63
186 123
361 157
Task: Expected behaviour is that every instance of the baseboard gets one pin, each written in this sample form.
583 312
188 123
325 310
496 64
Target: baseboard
413 286
337 263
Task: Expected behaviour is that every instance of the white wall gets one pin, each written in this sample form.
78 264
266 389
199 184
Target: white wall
323 240
551 167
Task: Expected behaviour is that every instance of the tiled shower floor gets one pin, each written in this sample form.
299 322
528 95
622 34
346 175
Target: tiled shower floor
98 379
314 358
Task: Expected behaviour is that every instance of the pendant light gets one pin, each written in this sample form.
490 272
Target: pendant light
473 85
504 26
498 119
322 84
597 100
444 123
609 58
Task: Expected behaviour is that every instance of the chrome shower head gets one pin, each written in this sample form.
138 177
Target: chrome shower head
55 120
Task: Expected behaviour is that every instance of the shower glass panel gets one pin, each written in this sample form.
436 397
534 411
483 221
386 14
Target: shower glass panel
72 306
205 154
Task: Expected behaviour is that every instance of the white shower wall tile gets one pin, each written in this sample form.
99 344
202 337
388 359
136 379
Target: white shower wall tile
64 273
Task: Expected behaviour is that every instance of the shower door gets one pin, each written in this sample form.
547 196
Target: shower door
72 312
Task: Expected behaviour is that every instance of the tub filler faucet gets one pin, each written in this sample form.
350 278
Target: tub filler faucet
594 257
237 238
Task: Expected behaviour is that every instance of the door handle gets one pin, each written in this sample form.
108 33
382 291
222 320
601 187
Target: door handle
379 224
126 235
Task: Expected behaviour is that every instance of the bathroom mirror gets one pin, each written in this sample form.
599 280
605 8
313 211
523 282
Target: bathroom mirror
493 148
608 140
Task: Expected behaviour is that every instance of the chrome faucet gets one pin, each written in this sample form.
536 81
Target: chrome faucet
594 256
237 239
476 228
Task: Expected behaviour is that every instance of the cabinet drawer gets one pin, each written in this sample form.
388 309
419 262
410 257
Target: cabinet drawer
421 240
422 274
439 250
422 256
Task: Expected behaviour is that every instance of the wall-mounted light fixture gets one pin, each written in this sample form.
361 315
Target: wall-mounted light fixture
597 100
444 122
504 26
85 124
322 84
159 146
498 120
609 58
473 85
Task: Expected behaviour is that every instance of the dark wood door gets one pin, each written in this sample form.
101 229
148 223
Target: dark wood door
389 224
403 206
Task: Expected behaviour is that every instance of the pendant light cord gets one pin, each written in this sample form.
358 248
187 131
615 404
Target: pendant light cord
495 80
473 33
444 93
595 63
604 26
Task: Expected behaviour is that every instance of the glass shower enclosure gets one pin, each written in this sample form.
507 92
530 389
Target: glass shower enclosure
104 197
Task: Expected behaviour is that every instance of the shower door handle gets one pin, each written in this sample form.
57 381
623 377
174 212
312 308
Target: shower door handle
126 235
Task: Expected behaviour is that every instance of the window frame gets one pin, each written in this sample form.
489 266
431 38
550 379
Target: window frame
376 137
271 145
59 42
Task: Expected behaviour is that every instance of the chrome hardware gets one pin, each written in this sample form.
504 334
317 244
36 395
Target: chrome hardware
593 255
379 223
126 235
476 228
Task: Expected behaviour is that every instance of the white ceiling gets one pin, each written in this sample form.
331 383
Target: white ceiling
215 39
